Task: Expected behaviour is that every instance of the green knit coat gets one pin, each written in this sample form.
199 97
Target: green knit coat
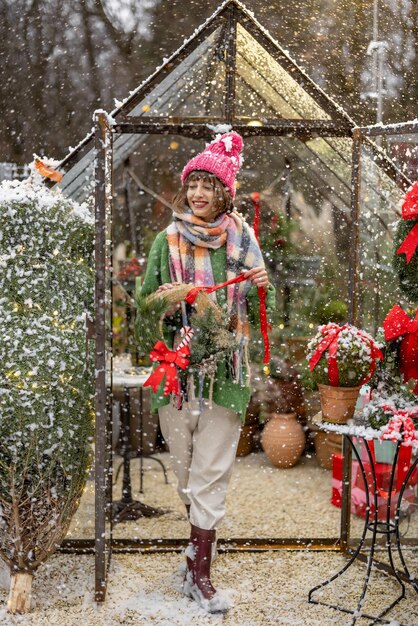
226 392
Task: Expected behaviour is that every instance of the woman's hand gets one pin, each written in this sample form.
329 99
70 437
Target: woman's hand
258 277
166 286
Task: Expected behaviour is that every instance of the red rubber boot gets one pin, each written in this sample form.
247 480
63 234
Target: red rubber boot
198 584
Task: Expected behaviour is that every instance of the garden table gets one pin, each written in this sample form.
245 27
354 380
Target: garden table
402 468
127 508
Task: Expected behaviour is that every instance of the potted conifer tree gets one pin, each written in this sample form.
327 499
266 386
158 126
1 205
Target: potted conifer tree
46 287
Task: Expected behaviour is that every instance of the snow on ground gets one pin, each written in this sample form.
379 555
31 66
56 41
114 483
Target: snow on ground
267 589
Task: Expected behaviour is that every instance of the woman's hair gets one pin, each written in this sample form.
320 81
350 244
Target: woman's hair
223 201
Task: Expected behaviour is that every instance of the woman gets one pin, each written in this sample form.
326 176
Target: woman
208 243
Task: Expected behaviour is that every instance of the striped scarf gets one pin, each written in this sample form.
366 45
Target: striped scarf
190 239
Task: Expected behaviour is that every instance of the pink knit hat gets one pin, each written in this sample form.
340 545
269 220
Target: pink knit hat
221 157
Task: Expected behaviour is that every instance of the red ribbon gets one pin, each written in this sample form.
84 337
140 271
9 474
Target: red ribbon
262 294
409 244
170 360
410 204
192 294
410 212
397 324
330 343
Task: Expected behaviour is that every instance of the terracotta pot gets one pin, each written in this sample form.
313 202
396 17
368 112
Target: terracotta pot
312 403
338 403
246 439
327 444
283 439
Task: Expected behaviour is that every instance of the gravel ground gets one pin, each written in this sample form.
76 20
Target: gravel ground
267 588
263 501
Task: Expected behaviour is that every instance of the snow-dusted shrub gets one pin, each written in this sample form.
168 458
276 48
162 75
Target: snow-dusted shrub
342 356
385 406
46 289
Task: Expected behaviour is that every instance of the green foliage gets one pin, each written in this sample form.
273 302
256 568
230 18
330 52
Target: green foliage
148 316
326 310
306 378
46 379
388 378
407 272
210 340
351 371
376 412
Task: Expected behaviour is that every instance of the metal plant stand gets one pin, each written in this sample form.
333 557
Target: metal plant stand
127 508
389 528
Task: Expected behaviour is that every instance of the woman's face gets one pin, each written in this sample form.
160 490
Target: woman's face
201 199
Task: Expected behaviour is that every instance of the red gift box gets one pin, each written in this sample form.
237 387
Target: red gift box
358 493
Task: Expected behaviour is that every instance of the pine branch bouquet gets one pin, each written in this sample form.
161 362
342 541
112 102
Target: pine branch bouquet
211 338
46 380
204 339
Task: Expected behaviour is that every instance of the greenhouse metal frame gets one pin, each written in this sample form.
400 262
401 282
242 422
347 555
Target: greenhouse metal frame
115 136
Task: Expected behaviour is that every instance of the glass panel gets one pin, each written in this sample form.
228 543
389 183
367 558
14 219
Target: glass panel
264 75
380 209
378 291
305 191
78 182
276 164
194 88
255 98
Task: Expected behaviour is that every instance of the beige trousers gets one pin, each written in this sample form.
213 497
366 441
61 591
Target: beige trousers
202 451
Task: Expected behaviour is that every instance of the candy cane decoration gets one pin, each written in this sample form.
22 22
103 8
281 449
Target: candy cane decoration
187 333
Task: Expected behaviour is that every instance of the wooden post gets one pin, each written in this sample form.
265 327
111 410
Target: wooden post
20 597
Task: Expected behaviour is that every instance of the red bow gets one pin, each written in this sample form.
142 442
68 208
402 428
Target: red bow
410 204
409 244
396 324
330 343
410 212
170 360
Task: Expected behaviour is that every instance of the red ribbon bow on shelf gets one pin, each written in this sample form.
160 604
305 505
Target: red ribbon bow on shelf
169 360
401 425
397 324
410 212
330 343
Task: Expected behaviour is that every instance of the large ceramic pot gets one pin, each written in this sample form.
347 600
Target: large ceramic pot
249 428
338 403
327 444
283 439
